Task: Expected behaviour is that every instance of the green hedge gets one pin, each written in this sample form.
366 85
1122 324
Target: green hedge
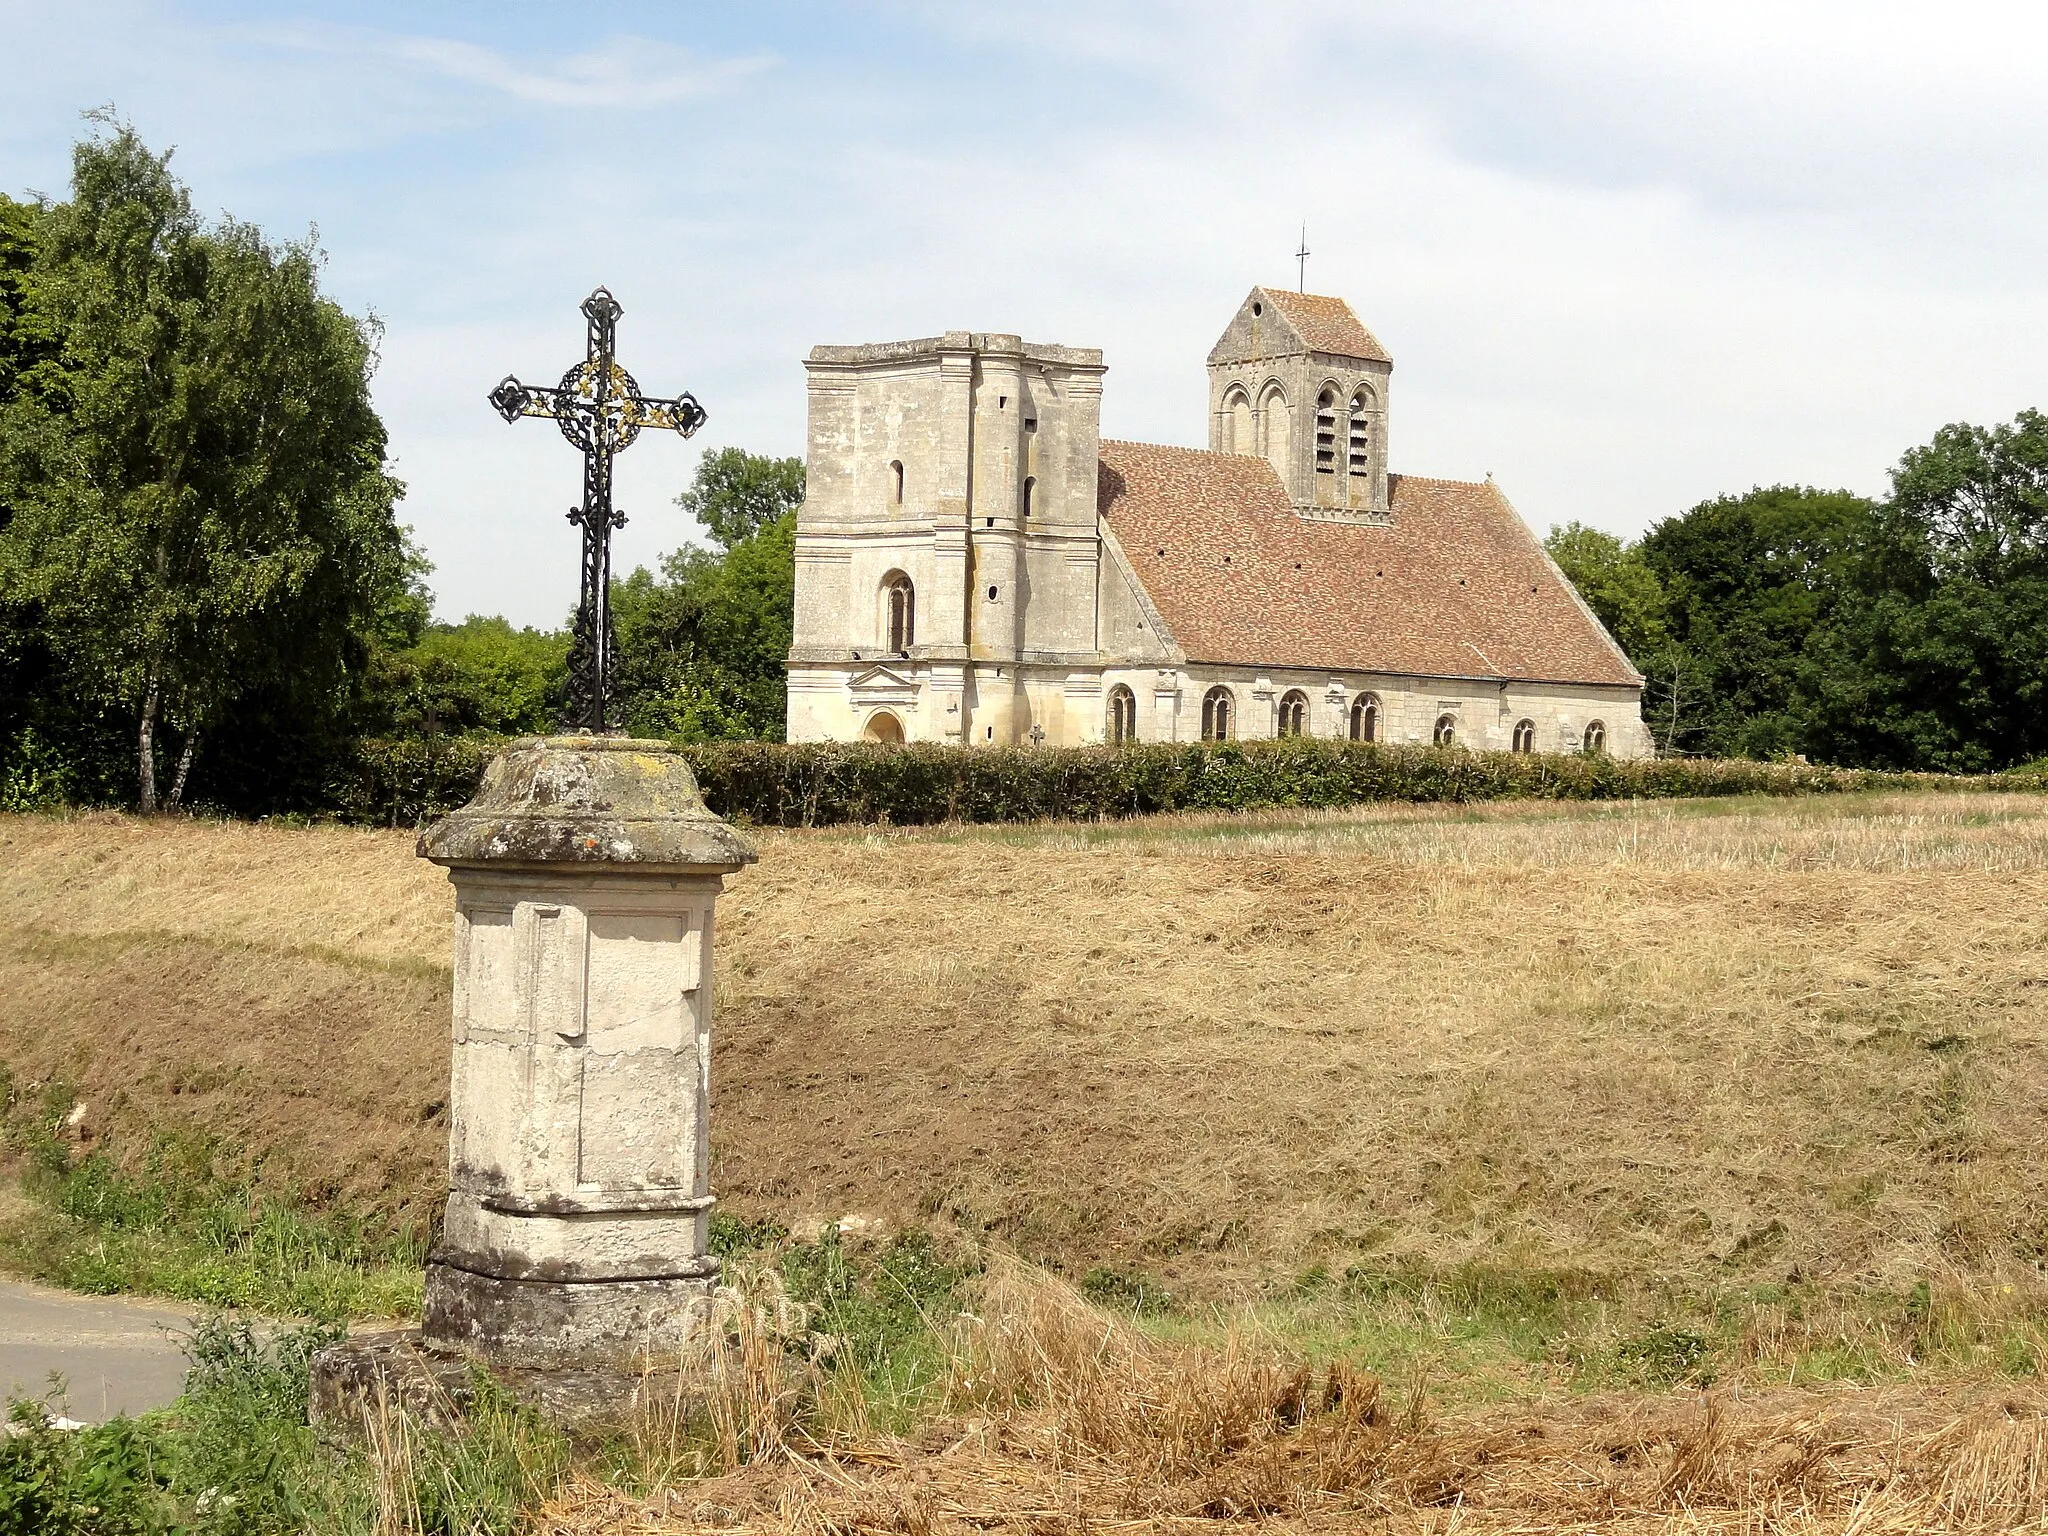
405 782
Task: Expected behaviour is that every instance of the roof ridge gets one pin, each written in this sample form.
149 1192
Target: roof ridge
1132 442
1217 453
1296 293
1477 485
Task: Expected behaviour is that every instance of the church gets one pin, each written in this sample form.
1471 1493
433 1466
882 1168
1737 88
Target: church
976 565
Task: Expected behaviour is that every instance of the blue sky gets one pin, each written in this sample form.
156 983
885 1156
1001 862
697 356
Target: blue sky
1626 256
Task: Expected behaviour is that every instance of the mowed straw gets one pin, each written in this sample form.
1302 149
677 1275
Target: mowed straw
1061 1418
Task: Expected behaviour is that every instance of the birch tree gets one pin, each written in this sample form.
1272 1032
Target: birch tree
192 481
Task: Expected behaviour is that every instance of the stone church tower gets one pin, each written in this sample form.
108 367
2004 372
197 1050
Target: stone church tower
947 550
976 565
1297 381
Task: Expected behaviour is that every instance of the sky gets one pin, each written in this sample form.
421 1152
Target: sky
1626 256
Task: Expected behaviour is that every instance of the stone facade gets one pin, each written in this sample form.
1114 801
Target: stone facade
966 464
963 575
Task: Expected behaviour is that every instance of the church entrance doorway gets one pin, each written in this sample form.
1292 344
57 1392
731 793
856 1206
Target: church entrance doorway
885 728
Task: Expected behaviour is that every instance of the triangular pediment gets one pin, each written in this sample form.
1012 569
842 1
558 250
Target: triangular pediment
1257 331
879 679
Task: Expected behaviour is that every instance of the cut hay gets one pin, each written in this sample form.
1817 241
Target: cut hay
1062 1419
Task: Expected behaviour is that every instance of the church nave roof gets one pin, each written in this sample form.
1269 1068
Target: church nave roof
1457 586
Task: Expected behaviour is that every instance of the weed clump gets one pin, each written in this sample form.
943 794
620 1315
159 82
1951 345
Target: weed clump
180 1226
233 1456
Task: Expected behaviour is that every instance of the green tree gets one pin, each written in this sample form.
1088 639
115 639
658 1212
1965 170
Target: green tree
736 494
1752 585
1942 663
1616 582
58 742
192 476
702 648
479 675
1628 596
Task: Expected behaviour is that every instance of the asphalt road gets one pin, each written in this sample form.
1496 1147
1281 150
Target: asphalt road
116 1356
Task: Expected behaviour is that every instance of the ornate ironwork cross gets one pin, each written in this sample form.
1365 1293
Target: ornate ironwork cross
600 410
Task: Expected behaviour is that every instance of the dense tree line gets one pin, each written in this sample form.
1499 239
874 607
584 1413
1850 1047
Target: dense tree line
700 643
197 544
1909 631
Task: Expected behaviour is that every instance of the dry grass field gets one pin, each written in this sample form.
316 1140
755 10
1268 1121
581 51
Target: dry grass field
1686 1039
1688 1042
1493 1101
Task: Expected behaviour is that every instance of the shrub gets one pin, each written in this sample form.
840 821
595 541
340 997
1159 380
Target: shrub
234 1457
777 784
405 781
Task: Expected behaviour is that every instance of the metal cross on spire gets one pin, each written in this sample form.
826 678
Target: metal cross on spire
1301 263
600 410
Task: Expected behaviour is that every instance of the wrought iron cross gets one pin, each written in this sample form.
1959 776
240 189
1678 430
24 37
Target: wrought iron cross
600 410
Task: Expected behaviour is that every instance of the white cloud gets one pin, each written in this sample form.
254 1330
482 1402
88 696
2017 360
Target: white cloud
1626 255
632 72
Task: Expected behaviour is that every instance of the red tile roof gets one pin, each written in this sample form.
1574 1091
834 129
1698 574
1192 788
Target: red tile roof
1457 587
1326 324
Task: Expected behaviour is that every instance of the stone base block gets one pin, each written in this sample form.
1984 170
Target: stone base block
363 1382
619 1326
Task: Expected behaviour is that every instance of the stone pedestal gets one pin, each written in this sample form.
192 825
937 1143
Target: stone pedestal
586 872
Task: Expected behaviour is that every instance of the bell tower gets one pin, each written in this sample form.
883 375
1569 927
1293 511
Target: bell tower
1297 380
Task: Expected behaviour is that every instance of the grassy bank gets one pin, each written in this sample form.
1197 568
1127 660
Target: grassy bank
811 1338
1031 1409
188 1220
1705 1044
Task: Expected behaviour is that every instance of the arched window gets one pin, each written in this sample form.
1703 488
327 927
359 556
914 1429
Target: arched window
1365 718
1294 713
1238 423
1595 738
1219 715
899 611
1360 461
896 482
1123 715
884 728
1030 485
1525 735
1277 428
1446 731
1326 432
